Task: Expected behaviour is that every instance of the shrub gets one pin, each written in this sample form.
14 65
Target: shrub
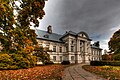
96 63
65 62
5 58
116 57
5 61
103 63
16 61
48 63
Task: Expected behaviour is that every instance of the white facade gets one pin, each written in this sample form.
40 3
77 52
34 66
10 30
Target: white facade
72 47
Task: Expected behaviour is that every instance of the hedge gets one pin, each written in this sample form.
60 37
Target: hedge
65 62
103 63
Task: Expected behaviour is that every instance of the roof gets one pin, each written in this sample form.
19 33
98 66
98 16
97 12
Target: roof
48 36
54 36
75 34
69 33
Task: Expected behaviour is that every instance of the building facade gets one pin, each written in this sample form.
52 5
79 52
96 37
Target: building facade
71 46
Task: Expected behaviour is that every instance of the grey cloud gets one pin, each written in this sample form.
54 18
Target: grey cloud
96 17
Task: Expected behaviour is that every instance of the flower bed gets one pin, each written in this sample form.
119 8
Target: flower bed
108 72
36 73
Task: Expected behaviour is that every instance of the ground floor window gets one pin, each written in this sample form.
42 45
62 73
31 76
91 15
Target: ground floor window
72 48
54 58
72 58
60 58
38 59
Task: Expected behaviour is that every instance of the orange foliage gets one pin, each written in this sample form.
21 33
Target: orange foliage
29 49
36 73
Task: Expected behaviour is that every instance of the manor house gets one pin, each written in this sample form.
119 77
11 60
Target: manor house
71 46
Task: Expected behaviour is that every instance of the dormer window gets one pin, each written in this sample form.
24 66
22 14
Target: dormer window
46 36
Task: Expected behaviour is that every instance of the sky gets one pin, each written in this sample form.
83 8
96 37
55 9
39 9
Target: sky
98 18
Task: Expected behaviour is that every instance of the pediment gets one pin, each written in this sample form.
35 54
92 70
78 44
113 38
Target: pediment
83 34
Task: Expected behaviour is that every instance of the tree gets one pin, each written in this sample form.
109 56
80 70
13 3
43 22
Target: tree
6 23
42 54
114 43
97 44
116 57
16 37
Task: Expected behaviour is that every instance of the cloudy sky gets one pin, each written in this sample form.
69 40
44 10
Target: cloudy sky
99 18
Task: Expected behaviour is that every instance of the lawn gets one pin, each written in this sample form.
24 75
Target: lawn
108 72
36 73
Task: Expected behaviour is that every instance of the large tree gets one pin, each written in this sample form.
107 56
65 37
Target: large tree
15 33
28 11
114 43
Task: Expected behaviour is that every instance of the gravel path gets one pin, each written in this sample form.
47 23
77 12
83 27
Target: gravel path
77 73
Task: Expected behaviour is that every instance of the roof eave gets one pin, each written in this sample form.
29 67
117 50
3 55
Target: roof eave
50 40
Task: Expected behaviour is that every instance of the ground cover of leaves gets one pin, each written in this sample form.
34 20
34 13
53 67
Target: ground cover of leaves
49 72
108 72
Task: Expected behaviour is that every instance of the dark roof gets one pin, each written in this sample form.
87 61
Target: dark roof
92 46
69 33
75 34
48 36
55 37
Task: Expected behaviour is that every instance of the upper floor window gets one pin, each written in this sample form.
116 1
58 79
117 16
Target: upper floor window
72 48
60 49
82 35
47 46
66 48
80 49
54 48
80 43
72 41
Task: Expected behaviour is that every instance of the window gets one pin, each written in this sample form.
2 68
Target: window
66 48
88 49
60 49
81 44
38 59
54 48
46 36
47 46
60 58
40 44
72 58
82 35
54 58
72 48
72 41
80 49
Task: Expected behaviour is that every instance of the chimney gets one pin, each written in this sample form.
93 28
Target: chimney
49 29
